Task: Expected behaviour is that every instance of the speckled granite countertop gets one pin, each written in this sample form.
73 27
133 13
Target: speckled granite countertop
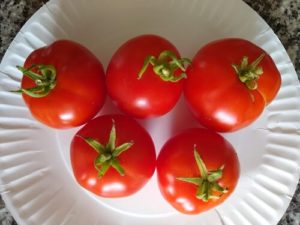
283 16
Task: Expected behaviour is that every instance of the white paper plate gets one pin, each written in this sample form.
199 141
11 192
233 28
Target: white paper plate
37 183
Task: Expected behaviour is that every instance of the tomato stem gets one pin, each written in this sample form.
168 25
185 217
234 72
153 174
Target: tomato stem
108 154
207 184
249 73
165 66
45 80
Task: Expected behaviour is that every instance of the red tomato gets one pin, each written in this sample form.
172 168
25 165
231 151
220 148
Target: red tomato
63 84
155 90
113 156
222 99
197 170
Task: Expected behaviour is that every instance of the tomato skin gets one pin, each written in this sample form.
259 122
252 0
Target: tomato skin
80 90
214 93
149 96
176 160
138 162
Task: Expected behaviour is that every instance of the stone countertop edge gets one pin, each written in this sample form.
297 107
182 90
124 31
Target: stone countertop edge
282 16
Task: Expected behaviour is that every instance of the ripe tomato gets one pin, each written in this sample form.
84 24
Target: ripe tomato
225 96
197 170
63 84
144 76
112 156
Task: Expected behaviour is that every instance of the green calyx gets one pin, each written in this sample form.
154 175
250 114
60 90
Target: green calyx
165 66
108 154
207 183
45 80
249 73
